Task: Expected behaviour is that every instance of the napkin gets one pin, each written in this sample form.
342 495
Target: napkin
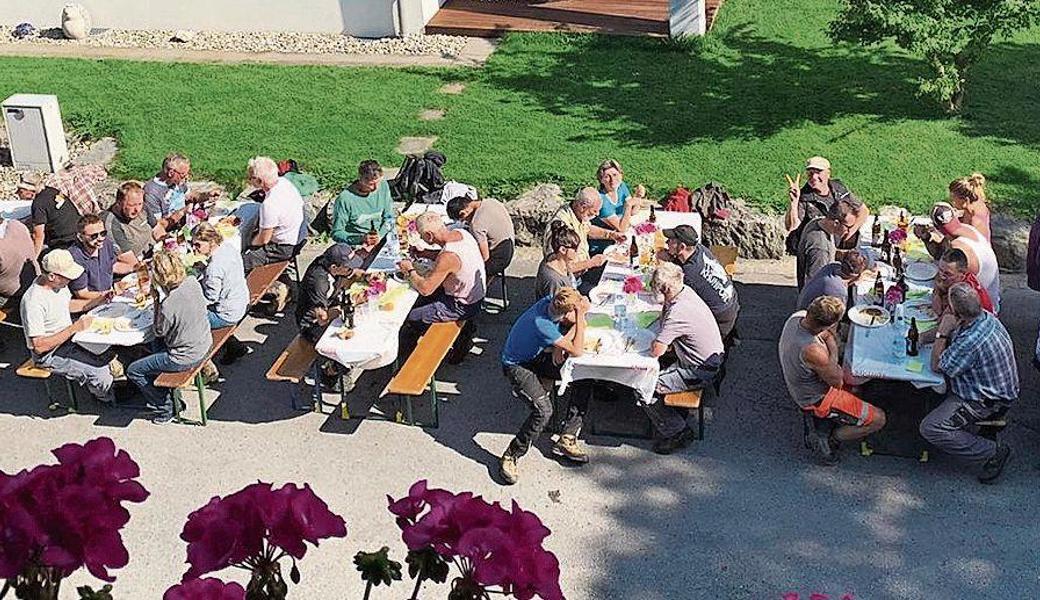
646 318
599 320
914 366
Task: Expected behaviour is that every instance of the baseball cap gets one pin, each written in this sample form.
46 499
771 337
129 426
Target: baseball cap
60 262
818 163
943 214
341 255
29 182
684 233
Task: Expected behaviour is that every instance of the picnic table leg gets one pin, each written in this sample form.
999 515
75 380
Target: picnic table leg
700 421
433 397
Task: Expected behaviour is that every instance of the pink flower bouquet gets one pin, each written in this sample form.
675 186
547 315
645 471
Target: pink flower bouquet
492 546
646 228
894 295
897 236
633 284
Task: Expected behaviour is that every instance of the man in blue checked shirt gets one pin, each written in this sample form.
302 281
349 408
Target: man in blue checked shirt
974 351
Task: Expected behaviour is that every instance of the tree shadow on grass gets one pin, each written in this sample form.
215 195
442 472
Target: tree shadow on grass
735 86
1002 95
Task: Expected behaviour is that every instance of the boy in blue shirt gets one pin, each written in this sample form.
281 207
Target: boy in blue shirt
536 347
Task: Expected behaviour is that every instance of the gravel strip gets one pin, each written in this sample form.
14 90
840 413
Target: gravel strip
285 42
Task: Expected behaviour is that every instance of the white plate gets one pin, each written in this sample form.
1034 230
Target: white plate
860 315
111 311
921 271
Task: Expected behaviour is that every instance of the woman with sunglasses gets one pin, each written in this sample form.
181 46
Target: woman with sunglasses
554 273
223 278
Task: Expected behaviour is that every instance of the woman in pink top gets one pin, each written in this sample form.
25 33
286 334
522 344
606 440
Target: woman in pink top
968 195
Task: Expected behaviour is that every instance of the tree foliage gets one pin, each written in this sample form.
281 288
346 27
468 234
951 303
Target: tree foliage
951 35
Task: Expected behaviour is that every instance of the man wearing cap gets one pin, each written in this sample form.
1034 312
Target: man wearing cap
48 325
54 217
982 261
578 217
315 306
703 273
815 198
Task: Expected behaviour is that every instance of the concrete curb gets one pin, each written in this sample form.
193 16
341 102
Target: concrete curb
474 54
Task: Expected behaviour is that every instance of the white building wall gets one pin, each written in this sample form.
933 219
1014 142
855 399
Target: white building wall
362 18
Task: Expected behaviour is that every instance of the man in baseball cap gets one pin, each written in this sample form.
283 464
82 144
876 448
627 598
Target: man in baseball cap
813 199
28 186
982 260
703 273
47 320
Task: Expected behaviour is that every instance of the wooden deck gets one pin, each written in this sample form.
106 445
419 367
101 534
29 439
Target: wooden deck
490 18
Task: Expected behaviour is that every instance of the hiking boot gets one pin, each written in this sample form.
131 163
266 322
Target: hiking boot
233 350
210 374
825 450
280 291
680 440
568 448
994 467
509 470
116 368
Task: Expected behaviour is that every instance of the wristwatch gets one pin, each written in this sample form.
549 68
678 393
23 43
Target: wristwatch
941 336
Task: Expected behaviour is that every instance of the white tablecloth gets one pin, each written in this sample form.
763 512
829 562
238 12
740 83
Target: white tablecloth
637 370
870 351
16 210
375 340
141 320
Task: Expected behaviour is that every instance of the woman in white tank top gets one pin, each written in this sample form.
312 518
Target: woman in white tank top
989 271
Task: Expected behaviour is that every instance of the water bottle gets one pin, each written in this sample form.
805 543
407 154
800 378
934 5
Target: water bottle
620 313
899 339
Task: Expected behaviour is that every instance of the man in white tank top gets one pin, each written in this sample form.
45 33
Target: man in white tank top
982 261
455 287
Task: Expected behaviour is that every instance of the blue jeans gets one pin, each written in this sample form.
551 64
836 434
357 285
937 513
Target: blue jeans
215 322
143 372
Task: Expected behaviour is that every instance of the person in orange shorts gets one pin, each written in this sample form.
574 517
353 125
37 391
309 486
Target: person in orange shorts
815 378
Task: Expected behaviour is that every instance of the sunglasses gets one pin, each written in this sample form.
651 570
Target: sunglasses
96 236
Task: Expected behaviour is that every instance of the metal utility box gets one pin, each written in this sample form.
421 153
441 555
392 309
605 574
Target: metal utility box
35 132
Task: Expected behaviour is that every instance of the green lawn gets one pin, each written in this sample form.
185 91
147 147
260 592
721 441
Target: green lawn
766 90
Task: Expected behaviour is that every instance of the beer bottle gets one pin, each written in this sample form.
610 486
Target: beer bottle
879 289
886 248
653 214
913 337
633 252
348 309
875 233
897 261
850 301
901 284
904 222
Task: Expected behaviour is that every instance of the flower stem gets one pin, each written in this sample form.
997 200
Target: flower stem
368 590
7 586
415 592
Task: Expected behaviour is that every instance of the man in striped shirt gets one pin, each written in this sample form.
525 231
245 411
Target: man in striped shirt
974 351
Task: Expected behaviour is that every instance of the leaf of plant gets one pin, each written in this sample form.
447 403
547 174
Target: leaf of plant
377 568
426 563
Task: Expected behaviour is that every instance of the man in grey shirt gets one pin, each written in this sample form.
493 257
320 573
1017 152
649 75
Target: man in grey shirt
491 225
834 279
689 330
818 244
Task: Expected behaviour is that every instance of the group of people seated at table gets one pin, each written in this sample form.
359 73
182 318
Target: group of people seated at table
971 349
73 260
697 323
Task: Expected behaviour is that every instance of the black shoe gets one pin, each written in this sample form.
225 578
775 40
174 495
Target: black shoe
826 450
994 467
233 350
676 442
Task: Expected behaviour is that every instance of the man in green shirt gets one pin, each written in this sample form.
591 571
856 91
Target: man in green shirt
364 206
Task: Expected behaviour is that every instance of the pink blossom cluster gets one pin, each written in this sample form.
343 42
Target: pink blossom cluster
205 589
894 295
897 236
69 515
199 214
376 288
633 284
646 228
493 546
240 528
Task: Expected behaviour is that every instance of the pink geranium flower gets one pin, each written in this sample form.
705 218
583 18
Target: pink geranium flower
633 284
205 589
646 228
494 547
897 236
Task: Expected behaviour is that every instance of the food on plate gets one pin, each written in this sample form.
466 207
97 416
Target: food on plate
387 306
102 325
123 324
874 313
345 333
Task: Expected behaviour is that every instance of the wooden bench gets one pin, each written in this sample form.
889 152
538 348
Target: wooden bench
30 370
292 366
260 279
727 255
690 400
180 379
417 373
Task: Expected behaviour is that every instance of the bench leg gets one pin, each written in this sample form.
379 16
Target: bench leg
200 387
436 402
505 292
700 421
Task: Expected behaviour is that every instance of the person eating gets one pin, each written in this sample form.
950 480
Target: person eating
555 271
704 274
818 245
834 278
489 222
578 215
100 259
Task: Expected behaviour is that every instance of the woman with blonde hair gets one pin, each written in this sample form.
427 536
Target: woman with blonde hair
616 211
223 278
968 195
181 330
